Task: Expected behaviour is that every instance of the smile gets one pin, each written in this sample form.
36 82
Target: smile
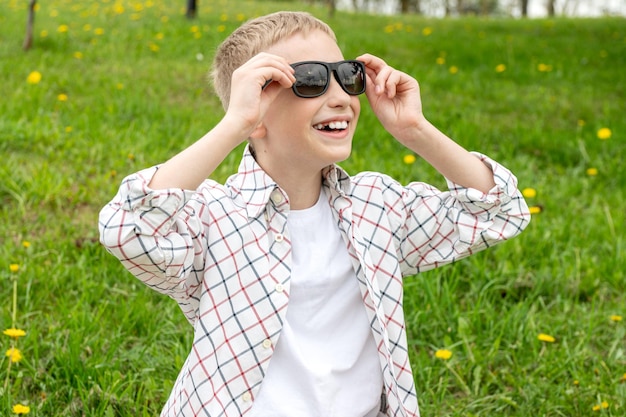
338 125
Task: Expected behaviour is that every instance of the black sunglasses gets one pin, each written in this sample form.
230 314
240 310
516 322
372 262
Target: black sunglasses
313 77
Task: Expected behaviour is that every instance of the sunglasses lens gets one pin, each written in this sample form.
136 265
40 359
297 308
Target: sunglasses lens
311 79
352 77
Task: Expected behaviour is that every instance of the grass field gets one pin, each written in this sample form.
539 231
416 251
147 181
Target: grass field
114 86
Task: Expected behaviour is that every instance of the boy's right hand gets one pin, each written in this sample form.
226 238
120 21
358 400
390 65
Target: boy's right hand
249 100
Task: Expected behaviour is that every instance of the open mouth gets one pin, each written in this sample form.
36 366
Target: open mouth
332 126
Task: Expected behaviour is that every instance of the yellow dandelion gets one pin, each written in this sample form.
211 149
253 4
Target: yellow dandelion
165 19
581 123
500 68
453 69
119 86
223 17
87 27
444 354
241 17
34 77
623 378
68 129
576 382
14 333
62 97
14 267
529 192
131 156
98 31
592 172
26 244
63 28
21 409
615 317
535 209
544 68
159 36
388 28
78 55
427 31
546 338
600 406
409 159
604 133
221 28
14 355
441 60
43 33
118 9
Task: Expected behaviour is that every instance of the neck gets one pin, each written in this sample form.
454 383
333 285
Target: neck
303 192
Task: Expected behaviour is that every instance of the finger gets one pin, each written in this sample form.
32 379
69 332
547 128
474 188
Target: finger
392 83
372 61
267 68
384 80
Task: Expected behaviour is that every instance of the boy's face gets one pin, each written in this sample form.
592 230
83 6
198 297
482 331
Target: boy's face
308 134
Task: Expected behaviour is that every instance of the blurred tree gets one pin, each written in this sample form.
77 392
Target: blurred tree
524 7
332 7
192 9
28 40
550 6
410 6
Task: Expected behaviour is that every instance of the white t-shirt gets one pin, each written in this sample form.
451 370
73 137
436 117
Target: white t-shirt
325 362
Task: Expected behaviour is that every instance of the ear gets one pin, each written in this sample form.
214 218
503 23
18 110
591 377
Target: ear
259 131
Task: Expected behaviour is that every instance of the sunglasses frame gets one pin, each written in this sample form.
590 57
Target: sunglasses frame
331 67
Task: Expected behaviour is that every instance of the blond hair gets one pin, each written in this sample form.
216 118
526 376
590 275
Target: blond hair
254 36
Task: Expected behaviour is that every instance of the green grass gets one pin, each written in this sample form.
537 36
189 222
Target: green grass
99 343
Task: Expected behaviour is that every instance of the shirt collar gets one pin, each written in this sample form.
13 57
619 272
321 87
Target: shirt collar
255 186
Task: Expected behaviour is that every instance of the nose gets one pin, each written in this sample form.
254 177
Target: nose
337 97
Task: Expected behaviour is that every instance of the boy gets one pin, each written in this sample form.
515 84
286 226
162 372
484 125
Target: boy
291 272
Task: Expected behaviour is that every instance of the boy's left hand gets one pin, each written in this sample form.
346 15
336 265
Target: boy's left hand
394 97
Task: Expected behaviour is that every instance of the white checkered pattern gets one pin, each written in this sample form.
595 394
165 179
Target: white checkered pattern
223 253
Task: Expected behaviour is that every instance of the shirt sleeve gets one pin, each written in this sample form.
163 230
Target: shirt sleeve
156 236
442 227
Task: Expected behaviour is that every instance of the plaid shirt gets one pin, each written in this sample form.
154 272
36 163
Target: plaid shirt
223 252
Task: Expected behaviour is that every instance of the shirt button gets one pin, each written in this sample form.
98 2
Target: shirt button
279 288
277 197
267 343
279 237
246 397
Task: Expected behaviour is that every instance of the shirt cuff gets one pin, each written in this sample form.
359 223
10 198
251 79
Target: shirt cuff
154 211
490 203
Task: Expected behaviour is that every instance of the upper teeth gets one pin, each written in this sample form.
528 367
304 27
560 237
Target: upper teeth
333 125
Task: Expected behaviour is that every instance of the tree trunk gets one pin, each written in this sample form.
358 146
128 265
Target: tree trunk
404 6
332 7
192 9
28 40
524 8
459 7
551 8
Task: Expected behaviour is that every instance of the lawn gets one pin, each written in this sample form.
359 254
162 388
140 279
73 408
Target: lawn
533 327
